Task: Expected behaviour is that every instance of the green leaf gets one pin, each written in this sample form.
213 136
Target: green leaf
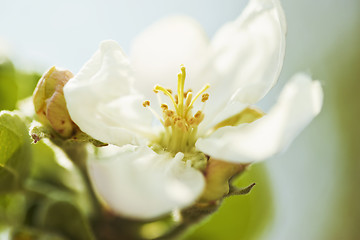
64 218
26 82
8 87
12 208
15 152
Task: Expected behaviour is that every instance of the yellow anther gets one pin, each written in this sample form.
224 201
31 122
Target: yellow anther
160 88
164 107
200 118
176 118
186 93
167 122
191 121
169 113
197 114
146 103
199 94
204 97
188 99
181 124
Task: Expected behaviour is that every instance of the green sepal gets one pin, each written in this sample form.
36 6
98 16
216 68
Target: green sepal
38 132
239 191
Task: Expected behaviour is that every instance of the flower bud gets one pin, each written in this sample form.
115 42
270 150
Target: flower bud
49 102
218 175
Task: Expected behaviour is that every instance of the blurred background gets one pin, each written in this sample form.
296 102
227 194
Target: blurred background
311 191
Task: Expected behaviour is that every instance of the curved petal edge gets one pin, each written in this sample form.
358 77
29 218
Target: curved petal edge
138 183
97 95
300 101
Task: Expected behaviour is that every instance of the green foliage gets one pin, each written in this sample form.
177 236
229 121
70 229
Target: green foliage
46 168
8 86
15 157
26 83
52 167
14 84
241 217
343 62
26 233
55 210
57 198
52 203
12 208
64 217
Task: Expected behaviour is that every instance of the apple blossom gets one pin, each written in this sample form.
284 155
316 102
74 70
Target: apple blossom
161 132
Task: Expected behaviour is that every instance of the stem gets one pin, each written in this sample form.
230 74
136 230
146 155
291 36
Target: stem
78 155
190 217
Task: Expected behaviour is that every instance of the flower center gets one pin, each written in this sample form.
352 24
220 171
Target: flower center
180 124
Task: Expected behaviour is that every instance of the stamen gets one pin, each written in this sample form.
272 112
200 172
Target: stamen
180 124
204 97
191 121
159 99
197 114
167 122
196 97
160 88
146 103
176 118
164 107
201 118
188 99
199 93
169 113
186 93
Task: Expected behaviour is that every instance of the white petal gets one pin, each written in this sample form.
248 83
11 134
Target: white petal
100 99
299 103
247 57
250 50
139 183
157 53
107 71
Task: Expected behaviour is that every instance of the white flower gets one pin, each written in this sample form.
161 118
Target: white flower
160 151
